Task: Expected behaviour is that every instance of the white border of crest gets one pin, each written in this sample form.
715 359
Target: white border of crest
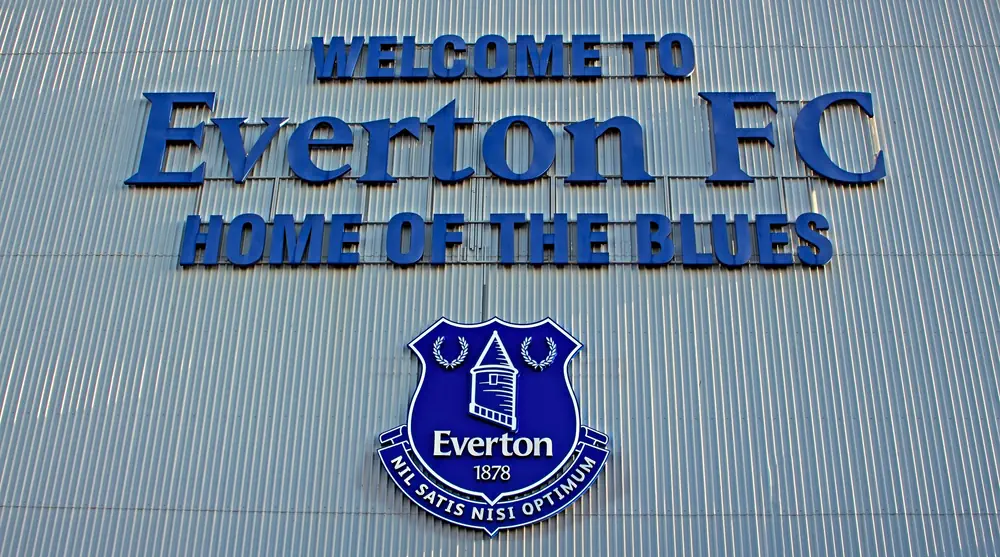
420 383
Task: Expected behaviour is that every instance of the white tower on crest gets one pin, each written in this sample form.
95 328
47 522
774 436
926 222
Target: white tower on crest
494 386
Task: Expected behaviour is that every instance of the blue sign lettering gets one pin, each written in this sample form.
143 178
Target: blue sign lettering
341 238
633 152
443 124
543 144
159 134
586 58
768 239
726 135
194 238
589 238
289 245
545 62
335 60
689 245
439 55
380 133
507 223
653 240
443 237
302 141
498 47
682 68
408 240
414 225
810 146
239 160
408 68
721 241
246 225
558 239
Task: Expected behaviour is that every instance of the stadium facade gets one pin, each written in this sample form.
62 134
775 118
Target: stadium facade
225 222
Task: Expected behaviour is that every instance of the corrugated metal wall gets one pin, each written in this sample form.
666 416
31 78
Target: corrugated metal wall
146 409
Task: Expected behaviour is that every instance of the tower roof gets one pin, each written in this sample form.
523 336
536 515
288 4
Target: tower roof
495 355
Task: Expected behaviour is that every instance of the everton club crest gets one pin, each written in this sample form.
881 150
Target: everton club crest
494 439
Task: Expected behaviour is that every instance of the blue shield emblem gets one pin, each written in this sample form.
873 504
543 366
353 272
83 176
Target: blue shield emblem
494 425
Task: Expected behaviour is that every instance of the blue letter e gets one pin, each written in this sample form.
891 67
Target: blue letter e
159 135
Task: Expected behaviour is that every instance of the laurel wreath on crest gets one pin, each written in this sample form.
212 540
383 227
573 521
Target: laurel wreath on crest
453 363
538 366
